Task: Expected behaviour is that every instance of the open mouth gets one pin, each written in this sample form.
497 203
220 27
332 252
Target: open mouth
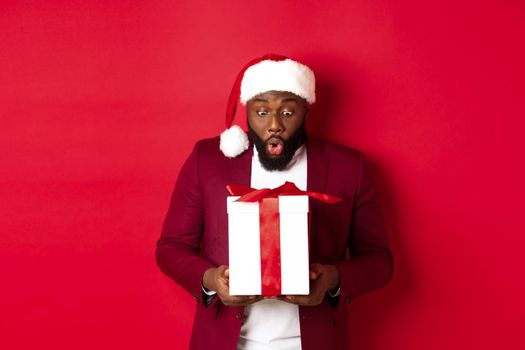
275 146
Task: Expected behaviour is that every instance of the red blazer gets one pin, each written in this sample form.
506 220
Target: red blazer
195 237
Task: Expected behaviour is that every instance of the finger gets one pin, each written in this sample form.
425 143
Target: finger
253 299
220 270
297 299
294 299
315 270
314 275
227 272
306 300
288 299
222 283
240 300
315 266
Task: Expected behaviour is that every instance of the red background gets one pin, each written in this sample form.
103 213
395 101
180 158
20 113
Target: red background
101 101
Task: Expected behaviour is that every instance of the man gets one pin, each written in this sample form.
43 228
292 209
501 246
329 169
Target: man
349 251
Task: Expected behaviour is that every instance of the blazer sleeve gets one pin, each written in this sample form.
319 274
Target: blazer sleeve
178 249
370 265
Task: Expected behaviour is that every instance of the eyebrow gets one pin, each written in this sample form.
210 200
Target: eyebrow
288 99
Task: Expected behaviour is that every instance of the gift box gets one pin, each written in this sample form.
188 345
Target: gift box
268 240
268 246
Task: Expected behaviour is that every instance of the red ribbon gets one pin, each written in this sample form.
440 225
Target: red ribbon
269 227
249 194
270 239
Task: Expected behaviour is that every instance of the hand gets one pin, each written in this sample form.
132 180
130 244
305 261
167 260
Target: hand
217 279
322 278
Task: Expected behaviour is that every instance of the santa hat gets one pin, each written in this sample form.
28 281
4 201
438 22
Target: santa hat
270 72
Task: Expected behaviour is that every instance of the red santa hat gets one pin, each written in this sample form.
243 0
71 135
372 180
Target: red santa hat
270 72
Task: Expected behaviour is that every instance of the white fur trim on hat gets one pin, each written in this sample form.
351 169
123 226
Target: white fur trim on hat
287 75
234 141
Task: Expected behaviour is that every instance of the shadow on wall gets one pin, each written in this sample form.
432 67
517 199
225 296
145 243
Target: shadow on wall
369 314
334 93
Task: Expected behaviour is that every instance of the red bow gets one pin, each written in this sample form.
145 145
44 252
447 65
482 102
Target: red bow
249 194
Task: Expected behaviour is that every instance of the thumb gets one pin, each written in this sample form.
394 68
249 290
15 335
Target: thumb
222 271
315 271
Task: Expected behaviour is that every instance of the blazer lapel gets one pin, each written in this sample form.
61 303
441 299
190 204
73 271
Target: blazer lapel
317 166
241 168
317 174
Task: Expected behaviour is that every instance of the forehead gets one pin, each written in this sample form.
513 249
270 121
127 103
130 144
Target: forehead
277 96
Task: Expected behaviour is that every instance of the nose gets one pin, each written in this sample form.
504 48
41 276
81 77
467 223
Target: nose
275 124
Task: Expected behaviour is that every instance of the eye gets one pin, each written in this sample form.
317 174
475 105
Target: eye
287 113
262 113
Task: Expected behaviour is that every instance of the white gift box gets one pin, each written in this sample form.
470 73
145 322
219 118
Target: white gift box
244 242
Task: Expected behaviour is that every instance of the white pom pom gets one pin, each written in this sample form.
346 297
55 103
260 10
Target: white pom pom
234 141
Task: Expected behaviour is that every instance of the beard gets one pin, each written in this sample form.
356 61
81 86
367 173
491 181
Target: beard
290 146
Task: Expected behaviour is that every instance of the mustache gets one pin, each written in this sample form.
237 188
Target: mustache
274 137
